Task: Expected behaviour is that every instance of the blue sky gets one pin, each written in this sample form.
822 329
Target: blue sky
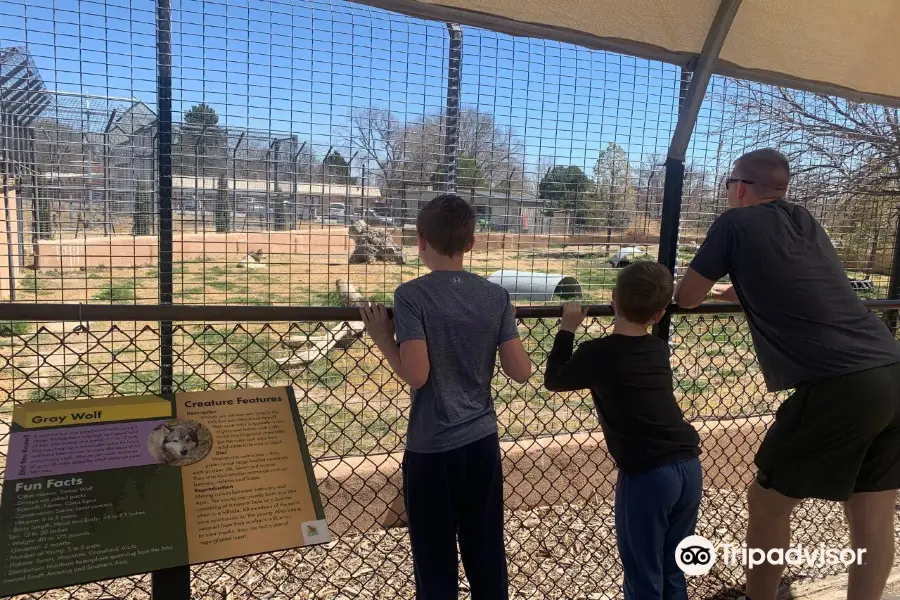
301 66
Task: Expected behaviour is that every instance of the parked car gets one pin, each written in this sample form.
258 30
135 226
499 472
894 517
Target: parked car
371 217
337 211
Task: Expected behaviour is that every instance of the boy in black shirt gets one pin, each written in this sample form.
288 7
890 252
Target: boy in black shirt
660 481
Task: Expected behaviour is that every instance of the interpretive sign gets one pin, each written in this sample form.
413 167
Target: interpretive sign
96 489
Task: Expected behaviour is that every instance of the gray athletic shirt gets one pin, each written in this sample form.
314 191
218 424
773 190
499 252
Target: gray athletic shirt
806 321
463 318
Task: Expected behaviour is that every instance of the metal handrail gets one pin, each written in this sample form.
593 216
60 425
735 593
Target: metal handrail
188 312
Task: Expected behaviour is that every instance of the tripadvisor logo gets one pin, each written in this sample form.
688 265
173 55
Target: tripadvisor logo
695 555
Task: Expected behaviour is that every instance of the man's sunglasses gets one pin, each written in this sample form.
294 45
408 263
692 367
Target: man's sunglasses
731 180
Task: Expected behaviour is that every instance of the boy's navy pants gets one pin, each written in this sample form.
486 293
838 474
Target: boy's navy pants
458 493
655 510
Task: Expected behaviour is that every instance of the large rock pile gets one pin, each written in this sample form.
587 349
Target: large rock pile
373 246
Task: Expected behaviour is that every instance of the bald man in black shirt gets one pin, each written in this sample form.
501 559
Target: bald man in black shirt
838 436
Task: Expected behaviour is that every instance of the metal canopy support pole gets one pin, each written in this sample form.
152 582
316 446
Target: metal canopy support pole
454 81
173 583
891 317
693 92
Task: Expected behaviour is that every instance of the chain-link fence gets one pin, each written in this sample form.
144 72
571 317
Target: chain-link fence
559 475
217 153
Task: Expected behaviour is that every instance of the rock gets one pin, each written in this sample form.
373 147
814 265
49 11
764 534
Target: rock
373 246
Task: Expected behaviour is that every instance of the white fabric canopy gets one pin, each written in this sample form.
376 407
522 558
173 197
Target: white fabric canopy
841 47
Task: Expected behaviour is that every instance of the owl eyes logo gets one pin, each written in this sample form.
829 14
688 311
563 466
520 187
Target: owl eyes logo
695 555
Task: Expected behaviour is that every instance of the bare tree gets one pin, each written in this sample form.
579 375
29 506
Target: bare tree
845 156
408 155
613 204
651 175
851 147
497 152
383 143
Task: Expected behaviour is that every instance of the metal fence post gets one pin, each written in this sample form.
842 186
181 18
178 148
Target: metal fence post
454 80
670 222
174 583
693 89
891 317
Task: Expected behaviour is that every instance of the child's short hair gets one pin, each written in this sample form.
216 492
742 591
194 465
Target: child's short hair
447 223
643 289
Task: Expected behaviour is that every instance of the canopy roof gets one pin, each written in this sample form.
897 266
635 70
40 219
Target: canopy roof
847 49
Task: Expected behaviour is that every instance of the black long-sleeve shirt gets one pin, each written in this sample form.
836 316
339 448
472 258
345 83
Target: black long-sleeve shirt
630 379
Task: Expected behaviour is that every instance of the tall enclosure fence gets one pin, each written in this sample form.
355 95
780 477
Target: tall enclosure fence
214 175
291 121
559 477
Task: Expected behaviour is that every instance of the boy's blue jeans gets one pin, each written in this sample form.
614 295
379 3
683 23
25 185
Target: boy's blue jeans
655 510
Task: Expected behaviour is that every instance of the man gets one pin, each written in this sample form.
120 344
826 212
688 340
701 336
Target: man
838 436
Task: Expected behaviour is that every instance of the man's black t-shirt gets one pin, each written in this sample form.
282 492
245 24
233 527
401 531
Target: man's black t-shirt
806 321
630 379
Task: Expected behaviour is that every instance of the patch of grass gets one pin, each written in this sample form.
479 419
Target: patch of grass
57 391
324 372
598 278
245 299
538 339
221 270
30 283
564 254
14 328
386 298
690 385
144 382
266 299
233 348
736 371
190 291
326 299
227 286
116 291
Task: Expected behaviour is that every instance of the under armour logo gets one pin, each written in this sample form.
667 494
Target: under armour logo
456 280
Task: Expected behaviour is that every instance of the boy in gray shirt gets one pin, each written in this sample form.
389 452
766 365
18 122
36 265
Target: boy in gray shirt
449 326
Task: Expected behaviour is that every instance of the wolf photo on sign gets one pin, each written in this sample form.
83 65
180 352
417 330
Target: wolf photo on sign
179 442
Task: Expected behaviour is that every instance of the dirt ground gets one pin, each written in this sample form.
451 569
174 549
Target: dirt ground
555 553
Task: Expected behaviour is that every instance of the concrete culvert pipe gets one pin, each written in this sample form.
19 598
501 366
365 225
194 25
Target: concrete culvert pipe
528 285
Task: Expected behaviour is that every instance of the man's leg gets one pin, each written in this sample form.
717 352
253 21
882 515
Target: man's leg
768 527
871 519
480 502
432 525
870 509
823 444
